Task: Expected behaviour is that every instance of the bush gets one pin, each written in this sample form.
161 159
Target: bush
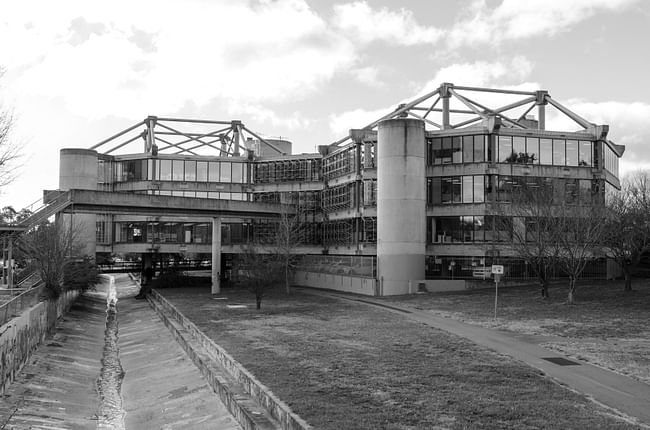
80 274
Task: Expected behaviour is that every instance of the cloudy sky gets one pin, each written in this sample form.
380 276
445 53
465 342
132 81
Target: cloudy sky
76 72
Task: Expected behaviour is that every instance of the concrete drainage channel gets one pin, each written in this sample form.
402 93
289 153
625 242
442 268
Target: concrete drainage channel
252 404
109 383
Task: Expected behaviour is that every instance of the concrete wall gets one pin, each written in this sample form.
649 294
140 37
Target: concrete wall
348 284
21 336
401 204
78 170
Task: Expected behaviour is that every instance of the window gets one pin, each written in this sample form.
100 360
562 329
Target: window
177 170
505 149
571 152
468 149
237 171
532 150
225 174
190 170
446 190
468 189
434 192
437 153
201 171
479 148
585 153
165 170
446 150
546 151
457 150
479 190
479 229
213 171
559 152
456 189
519 149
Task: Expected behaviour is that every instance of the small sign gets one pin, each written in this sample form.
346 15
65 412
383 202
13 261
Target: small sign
497 269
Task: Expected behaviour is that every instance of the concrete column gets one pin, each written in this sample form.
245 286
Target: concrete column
401 203
216 255
78 170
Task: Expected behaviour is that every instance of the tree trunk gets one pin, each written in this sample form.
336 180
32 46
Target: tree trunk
544 285
258 301
628 278
572 287
286 278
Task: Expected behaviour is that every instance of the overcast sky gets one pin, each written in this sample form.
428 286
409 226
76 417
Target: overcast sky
77 72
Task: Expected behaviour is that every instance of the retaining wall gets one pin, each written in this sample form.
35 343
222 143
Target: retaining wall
20 336
348 284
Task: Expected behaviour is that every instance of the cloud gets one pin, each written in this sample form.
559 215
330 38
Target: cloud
393 27
100 62
368 76
516 19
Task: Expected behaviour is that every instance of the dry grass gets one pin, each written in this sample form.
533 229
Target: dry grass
344 365
607 327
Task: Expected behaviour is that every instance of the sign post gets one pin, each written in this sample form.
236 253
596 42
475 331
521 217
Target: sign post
497 271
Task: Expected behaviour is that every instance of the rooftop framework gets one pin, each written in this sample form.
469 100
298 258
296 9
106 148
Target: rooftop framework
185 136
452 107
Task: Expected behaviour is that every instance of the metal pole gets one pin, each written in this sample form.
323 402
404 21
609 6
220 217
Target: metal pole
10 270
496 294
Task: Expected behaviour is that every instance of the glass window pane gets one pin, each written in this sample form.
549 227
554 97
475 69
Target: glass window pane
177 170
446 150
585 153
225 172
446 190
150 169
437 151
479 190
457 156
468 149
201 171
479 229
479 148
190 170
467 226
532 150
559 148
468 189
519 149
505 149
237 173
437 191
213 171
165 170
571 152
546 151
456 189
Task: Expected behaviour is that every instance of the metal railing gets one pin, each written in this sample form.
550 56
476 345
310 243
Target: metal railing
16 305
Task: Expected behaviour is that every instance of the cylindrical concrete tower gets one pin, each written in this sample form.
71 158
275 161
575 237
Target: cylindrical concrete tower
401 204
78 170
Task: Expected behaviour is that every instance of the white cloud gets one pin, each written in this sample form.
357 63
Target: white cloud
394 27
342 123
96 61
516 19
368 76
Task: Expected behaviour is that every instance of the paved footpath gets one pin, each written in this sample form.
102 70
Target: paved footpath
620 392
162 389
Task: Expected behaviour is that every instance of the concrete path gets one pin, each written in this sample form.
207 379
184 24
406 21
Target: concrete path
162 389
620 392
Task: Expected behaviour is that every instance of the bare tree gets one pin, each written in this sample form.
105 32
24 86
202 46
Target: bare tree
259 271
529 217
287 239
578 232
627 235
55 250
9 149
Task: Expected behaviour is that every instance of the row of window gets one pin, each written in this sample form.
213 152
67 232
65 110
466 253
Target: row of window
178 170
510 149
287 171
500 188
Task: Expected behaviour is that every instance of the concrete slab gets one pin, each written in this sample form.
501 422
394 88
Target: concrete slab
162 389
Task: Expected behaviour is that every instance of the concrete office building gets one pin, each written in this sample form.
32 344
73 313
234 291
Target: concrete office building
395 205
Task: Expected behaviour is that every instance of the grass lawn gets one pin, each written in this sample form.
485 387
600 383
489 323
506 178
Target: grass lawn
607 326
343 365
